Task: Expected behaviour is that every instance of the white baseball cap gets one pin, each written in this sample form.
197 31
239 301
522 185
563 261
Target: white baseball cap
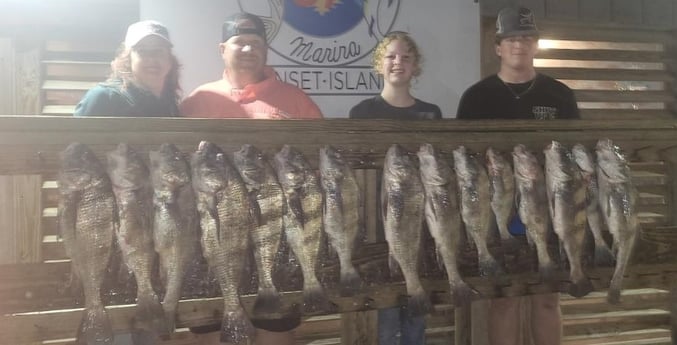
140 30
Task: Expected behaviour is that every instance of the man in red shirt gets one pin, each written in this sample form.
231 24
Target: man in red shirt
249 88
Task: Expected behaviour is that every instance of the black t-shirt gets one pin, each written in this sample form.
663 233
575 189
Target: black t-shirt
377 108
111 99
543 98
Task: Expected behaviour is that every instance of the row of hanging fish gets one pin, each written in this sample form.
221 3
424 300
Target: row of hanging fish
223 205
228 206
568 193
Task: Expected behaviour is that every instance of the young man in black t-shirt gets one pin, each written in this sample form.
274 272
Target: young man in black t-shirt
517 91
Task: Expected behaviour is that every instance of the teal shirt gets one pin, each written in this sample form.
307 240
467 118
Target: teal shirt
110 99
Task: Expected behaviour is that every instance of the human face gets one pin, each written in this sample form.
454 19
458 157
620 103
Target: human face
517 52
244 53
151 62
399 63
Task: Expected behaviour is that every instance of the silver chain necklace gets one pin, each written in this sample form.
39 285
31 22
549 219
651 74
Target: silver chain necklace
519 95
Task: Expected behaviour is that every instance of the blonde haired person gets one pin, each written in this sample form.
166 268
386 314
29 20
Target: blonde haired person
398 59
144 79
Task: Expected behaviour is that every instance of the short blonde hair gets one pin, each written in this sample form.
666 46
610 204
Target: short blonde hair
380 50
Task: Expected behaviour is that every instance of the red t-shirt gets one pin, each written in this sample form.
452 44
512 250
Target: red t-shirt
268 99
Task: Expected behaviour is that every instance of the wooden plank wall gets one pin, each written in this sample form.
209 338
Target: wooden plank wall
640 13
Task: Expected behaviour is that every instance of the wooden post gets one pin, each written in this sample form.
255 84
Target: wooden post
20 219
673 314
28 82
462 334
360 328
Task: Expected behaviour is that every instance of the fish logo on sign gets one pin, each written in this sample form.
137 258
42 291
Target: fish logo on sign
324 33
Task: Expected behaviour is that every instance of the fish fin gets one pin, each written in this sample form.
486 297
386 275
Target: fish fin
236 327
418 305
213 213
530 240
67 215
95 327
384 202
150 315
439 259
267 301
254 209
294 205
394 267
75 284
315 300
351 283
563 259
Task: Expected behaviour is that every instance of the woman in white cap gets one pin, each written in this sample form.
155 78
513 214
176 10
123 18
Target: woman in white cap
144 79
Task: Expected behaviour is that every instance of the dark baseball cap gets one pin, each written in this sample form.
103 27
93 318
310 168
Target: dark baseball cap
243 23
515 21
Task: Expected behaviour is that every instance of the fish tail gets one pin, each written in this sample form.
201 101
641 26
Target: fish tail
547 271
315 300
150 315
267 301
462 294
170 302
614 295
581 287
95 327
236 327
418 304
351 282
170 317
603 256
624 250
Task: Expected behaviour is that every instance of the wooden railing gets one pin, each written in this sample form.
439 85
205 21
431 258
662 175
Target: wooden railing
37 305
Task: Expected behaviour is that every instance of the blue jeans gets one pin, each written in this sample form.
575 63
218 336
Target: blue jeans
394 322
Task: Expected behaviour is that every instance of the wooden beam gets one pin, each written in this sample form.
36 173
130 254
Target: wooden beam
32 144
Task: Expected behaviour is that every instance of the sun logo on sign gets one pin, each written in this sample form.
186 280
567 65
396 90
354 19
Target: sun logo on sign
321 6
